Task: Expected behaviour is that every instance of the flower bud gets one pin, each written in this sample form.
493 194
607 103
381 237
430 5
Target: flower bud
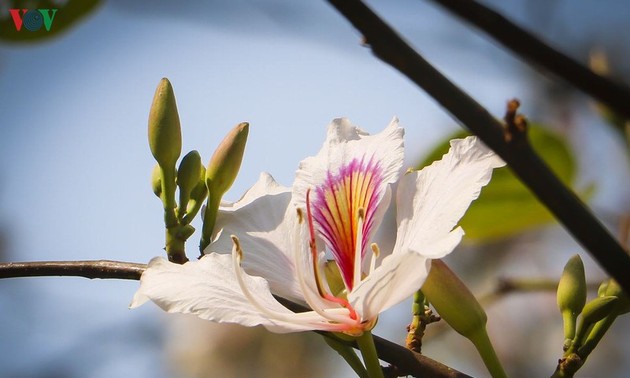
226 161
453 301
156 180
461 310
601 290
593 312
614 289
597 309
199 192
221 173
334 279
571 295
188 176
165 137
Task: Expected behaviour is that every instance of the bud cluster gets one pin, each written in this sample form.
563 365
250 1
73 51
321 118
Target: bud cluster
193 182
595 316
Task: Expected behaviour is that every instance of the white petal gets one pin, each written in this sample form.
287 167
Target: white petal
398 277
208 288
344 143
263 221
430 202
266 185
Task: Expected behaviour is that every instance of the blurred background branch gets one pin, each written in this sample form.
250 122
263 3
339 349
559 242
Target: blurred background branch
536 52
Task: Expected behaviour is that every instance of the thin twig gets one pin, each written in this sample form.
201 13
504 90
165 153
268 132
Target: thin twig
521 158
407 362
534 50
88 269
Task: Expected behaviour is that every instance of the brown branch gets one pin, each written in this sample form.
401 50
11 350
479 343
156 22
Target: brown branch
406 361
89 269
521 158
534 50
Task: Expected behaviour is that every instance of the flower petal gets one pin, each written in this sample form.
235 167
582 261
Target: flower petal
263 221
397 278
209 289
431 201
352 171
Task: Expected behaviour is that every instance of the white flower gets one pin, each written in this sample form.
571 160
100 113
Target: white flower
279 237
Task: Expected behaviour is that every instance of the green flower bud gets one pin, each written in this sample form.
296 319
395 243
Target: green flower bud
334 279
226 161
614 289
197 196
188 176
598 309
593 312
165 137
601 290
221 173
571 295
461 310
453 301
156 181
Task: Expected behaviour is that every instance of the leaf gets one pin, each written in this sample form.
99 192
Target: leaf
506 207
66 17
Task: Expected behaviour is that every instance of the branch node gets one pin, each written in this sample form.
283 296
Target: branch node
516 124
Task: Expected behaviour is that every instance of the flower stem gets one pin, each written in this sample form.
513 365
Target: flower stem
370 358
349 355
482 342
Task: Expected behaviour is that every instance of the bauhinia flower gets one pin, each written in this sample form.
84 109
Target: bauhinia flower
281 238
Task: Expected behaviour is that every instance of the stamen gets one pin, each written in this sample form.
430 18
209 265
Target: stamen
237 247
312 245
358 247
311 301
308 319
300 215
318 278
376 251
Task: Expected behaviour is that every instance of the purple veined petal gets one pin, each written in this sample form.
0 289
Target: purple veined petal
336 205
352 171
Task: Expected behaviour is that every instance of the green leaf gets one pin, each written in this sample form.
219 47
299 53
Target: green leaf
65 18
506 207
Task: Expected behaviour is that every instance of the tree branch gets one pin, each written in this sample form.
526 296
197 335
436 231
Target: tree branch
89 269
517 152
511 36
406 361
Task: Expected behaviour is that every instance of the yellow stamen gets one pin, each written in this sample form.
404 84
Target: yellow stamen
376 251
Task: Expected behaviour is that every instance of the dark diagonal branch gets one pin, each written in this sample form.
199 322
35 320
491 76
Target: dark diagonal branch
517 152
524 44
406 361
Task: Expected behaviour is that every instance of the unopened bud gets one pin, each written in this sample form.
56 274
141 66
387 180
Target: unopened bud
165 137
334 279
220 175
597 309
614 289
571 295
453 300
593 312
200 191
226 161
156 180
188 176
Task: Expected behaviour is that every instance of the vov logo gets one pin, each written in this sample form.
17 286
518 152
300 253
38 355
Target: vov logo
34 19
